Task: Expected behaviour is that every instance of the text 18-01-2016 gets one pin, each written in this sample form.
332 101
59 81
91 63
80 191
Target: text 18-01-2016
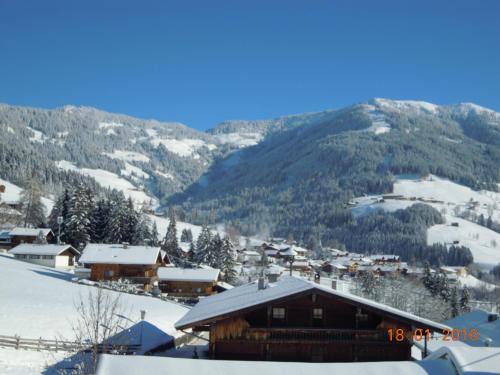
419 334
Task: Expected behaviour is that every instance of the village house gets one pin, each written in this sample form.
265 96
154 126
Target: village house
29 235
188 282
138 264
49 255
298 320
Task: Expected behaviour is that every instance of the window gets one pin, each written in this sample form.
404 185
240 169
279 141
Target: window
317 313
278 313
34 256
108 273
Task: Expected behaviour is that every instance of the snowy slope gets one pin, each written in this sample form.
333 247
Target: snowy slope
449 198
40 303
477 238
112 180
13 194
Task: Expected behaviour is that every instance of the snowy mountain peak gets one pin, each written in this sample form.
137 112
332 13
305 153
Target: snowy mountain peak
404 105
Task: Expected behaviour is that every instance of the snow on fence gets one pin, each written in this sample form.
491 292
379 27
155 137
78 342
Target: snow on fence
61 345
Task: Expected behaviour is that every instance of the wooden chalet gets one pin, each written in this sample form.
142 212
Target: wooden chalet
138 264
29 235
298 320
188 282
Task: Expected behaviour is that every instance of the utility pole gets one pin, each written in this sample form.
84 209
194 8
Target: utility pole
59 222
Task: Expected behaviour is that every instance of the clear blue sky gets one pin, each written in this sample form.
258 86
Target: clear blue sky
202 62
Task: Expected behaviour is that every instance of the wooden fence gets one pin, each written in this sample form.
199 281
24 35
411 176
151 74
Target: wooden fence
68 346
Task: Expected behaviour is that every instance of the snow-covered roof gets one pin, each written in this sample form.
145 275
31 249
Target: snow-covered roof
248 296
119 254
41 249
29 231
188 274
478 319
288 252
146 365
468 360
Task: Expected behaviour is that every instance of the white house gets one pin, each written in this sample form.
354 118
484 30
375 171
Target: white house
46 254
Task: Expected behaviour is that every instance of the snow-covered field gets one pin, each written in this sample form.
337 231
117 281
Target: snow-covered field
38 302
13 194
478 238
111 180
450 199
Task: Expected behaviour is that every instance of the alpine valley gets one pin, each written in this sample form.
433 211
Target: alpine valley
381 176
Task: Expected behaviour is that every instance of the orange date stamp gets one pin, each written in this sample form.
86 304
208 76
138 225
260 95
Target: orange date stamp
420 334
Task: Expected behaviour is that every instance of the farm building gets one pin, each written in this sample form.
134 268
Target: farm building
138 264
188 282
29 235
49 255
298 320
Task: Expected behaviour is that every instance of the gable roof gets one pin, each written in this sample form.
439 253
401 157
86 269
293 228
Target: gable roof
188 274
41 249
248 297
118 254
19 231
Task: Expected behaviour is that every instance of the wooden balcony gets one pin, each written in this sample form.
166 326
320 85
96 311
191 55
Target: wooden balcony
321 335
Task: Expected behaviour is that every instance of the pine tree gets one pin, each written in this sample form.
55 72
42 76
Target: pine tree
203 245
454 305
214 256
428 280
131 223
79 216
170 244
32 207
489 222
154 235
228 260
142 233
186 235
465 300
115 231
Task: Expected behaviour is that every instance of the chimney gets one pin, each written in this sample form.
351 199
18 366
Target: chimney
262 283
334 284
487 342
492 317
125 245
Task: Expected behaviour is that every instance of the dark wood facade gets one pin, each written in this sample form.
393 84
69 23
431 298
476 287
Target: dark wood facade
188 288
135 273
313 326
17 240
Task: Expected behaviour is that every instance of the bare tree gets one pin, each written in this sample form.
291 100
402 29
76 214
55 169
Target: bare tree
99 319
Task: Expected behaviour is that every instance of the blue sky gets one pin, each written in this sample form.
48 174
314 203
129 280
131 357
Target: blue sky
202 62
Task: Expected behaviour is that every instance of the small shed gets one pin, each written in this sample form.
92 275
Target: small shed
48 255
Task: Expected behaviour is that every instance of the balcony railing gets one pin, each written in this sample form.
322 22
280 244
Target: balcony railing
314 334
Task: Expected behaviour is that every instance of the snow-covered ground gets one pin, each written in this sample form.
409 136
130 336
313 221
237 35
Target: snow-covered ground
28 362
479 239
13 194
127 156
38 136
379 124
182 147
239 139
450 199
38 302
111 180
